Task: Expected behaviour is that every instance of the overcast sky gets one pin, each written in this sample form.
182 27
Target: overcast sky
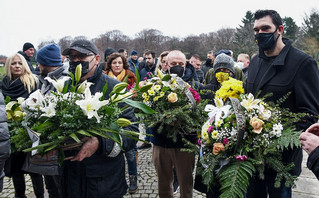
41 20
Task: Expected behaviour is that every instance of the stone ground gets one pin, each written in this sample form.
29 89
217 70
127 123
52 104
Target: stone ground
307 185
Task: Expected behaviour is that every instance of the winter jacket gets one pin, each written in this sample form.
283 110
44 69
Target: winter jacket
50 167
291 71
133 64
4 139
313 162
46 86
190 76
100 165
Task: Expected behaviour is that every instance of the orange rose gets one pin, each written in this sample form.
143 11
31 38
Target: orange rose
172 97
257 124
218 147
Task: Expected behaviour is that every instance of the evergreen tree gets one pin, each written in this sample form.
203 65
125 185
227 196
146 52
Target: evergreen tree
290 28
244 36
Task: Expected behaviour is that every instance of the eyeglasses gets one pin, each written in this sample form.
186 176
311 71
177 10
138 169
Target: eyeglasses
79 56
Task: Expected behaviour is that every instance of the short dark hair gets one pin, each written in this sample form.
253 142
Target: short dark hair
121 50
113 56
276 18
150 52
196 56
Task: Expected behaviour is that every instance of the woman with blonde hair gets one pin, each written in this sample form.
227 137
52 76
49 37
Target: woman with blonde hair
161 64
20 82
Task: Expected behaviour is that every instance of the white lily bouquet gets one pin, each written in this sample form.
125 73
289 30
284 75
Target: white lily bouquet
71 112
243 135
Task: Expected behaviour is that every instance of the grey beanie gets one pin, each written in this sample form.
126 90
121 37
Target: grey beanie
224 61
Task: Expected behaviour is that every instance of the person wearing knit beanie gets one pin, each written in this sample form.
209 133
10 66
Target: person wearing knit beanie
224 61
27 46
133 53
108 52
49 55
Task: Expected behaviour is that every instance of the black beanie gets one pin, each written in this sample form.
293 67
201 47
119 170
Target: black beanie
27 46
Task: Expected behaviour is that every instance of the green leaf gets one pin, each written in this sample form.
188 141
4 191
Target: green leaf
50 148
140 105
75 138
145 88
82 132
104 91
234 178
166 77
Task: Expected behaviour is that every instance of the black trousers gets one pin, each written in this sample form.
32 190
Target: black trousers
54 185
19 185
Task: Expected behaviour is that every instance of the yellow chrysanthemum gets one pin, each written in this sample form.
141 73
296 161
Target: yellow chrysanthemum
151 92
221 77
144 95
230 88
157 87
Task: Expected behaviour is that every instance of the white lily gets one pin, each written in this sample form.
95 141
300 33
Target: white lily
20 100
84 85
58 84
49 111
34 101
91 104
250 103
263 113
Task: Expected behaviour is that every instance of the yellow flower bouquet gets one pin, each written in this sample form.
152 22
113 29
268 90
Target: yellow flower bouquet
243 135
176 103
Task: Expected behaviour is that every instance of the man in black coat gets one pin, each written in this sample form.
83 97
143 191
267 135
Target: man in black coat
27 52
281 69
98 169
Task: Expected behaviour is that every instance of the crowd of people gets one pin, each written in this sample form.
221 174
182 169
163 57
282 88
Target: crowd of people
98 169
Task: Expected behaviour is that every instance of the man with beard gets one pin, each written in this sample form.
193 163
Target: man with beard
98 169
279 68
150 66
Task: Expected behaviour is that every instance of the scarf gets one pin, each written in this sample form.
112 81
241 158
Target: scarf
119 77
13 88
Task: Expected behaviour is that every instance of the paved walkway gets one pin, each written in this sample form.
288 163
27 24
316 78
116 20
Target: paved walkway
307 185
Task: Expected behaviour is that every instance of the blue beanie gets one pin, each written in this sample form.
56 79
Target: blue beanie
133 53
49 55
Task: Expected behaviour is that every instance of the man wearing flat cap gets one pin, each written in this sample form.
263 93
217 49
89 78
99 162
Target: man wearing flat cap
98 169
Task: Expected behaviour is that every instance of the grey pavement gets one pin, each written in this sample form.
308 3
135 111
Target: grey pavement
307 185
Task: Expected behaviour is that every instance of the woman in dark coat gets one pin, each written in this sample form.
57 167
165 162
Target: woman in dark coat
20 82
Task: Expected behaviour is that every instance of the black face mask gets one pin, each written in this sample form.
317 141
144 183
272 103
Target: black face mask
208 61
85 67
266 41
179 70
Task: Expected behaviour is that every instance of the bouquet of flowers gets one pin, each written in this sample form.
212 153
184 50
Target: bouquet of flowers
176 103
56 120
241 137
19 136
